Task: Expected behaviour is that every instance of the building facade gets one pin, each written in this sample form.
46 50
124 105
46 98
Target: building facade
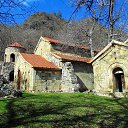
110 68
54 66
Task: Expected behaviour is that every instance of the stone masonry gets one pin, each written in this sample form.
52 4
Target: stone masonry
69 79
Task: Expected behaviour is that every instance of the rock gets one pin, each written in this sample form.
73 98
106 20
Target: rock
17 93
6 88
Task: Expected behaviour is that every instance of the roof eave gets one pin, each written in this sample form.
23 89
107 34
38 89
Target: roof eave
46 68
75 60
113 42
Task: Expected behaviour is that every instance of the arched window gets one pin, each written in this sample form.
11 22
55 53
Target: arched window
11 76
12 57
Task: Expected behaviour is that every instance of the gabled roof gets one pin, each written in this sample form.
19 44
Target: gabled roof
16 45
113 42
52 40
38 61
77 46
72 58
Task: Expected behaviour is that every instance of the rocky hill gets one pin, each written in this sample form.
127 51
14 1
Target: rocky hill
47 24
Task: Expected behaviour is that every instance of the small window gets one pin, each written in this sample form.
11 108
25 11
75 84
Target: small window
12 57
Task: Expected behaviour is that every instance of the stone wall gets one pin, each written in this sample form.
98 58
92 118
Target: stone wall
6 87
115 57
12 50
23 75
47 81
6 78
69 79
7 68
84 73
55 60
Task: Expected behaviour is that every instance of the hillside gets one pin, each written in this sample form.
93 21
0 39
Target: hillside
47 24
74 32
54 26
28 34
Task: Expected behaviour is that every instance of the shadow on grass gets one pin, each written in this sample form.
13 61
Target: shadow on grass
45 114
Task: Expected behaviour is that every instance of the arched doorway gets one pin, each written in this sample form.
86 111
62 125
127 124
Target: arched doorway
119 81
19 80
11 76
12 57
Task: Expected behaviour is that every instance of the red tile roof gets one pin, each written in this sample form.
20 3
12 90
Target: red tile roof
38 62
78 46
16 45
74 58
53 40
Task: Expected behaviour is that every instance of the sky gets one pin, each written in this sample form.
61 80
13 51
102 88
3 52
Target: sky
66 8
52 6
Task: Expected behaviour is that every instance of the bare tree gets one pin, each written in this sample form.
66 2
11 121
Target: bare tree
110 12
8 12
83 32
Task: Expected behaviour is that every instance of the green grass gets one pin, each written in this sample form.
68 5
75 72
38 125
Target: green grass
63 110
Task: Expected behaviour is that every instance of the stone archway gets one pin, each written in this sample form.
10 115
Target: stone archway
111 80
119 80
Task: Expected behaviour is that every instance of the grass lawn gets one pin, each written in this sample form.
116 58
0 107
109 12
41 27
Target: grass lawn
63 110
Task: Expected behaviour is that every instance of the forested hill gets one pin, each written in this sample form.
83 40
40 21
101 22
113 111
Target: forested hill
54 26
28 33
47 24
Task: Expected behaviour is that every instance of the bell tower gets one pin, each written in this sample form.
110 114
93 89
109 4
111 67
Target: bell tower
12 51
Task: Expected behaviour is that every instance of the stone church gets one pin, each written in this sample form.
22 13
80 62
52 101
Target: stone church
110 67
58 67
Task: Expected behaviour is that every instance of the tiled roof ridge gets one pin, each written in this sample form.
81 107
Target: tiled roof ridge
16 44
73 55
79 46
68 54
75 58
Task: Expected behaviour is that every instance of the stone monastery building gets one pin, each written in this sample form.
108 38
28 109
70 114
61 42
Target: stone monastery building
57 67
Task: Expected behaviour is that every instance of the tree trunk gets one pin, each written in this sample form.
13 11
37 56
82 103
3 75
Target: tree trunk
111 20
90 38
